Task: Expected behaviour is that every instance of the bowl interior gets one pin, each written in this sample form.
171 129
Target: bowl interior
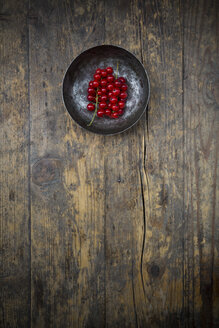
81 71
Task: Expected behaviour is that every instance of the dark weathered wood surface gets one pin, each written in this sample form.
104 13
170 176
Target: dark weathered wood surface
118 231
15 261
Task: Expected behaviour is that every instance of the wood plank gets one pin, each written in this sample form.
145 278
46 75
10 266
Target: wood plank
162 170
201 117
124 210
67 175
14 168
145 212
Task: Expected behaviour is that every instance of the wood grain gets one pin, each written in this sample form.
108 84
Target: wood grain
118 231
162 165
14 168
200 83
67 207
124 207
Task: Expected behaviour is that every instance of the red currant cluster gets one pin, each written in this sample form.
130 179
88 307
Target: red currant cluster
108 93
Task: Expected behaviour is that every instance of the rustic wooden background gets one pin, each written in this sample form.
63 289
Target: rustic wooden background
116 231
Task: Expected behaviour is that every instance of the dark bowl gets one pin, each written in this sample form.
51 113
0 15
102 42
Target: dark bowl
81 71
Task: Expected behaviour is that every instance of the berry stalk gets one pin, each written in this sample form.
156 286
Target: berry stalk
95 112
117 70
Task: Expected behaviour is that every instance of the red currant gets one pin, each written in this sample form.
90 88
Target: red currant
123 95
102 105
104 73
116 92
98 71
118 84
91 91
90 107
91 98
122 79
110 78
113 100
95 84
108 112
121 104
103 82
110 87
104 98
100 113
115 108
97 77
111 93
124 87
104 90
109 70
115 115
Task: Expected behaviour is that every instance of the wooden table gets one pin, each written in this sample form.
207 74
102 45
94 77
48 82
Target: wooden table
116 231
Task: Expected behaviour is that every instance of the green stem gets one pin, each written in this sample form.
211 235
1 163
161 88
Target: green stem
94 111
117 69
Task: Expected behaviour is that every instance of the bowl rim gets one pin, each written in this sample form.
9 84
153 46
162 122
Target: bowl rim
148 96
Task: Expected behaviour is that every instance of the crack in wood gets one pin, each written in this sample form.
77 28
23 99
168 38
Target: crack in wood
144 234
133 296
